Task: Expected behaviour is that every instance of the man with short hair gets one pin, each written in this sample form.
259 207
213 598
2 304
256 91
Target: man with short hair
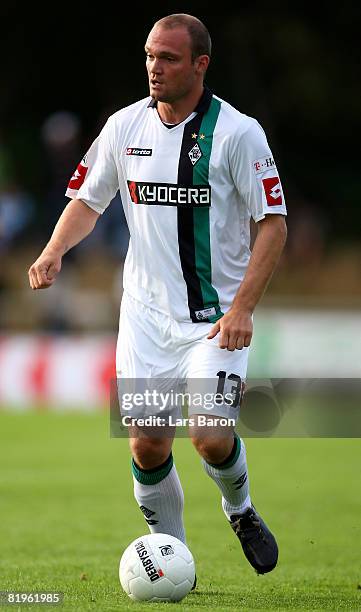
191 171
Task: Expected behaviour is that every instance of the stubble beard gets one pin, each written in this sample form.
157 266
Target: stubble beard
170 98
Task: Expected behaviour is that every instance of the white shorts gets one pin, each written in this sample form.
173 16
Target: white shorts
154 347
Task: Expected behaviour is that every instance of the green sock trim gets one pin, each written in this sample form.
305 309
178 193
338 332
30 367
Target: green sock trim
231 460
153 476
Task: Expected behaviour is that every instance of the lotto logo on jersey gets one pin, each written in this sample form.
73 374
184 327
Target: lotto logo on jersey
78 177
168 194
140 152
273 190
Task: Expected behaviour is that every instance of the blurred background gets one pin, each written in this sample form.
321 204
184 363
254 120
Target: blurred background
64 72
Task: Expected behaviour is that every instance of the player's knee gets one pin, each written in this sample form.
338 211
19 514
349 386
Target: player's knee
213 449
149 453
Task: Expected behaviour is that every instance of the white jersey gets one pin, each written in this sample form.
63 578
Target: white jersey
188 193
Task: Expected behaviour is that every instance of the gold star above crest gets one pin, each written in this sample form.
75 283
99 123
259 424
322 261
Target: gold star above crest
194 135
202 136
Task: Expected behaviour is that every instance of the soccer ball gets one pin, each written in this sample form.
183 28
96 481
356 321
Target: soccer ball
157 567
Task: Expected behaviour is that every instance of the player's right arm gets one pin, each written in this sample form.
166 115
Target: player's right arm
75 223
92 186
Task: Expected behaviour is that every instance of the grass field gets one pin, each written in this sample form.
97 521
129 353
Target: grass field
67 513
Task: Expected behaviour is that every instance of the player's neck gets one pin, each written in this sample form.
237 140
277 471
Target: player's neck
178 111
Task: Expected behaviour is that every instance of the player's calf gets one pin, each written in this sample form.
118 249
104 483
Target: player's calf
149 451
213 443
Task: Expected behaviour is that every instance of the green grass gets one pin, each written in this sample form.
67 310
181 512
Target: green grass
67 510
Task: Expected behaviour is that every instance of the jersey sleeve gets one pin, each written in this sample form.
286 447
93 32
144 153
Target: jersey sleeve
95 180
255 173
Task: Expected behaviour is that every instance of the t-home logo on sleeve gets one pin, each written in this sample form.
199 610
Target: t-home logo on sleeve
169 194
263 164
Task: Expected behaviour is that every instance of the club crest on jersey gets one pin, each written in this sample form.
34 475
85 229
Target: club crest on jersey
195 154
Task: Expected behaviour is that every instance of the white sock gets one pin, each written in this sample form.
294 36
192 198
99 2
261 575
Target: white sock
160 497
231 477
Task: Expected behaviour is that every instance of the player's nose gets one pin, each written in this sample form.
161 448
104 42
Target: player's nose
156 67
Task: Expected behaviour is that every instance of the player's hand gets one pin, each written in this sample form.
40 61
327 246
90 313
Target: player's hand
44 270
235 329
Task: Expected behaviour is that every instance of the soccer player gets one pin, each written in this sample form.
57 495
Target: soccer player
191 171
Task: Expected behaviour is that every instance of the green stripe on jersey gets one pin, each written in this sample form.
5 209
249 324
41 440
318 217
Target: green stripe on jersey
202 242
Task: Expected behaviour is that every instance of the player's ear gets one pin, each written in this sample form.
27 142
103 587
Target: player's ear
202 63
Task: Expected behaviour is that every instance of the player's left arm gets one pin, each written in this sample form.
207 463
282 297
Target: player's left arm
256 179
236 327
